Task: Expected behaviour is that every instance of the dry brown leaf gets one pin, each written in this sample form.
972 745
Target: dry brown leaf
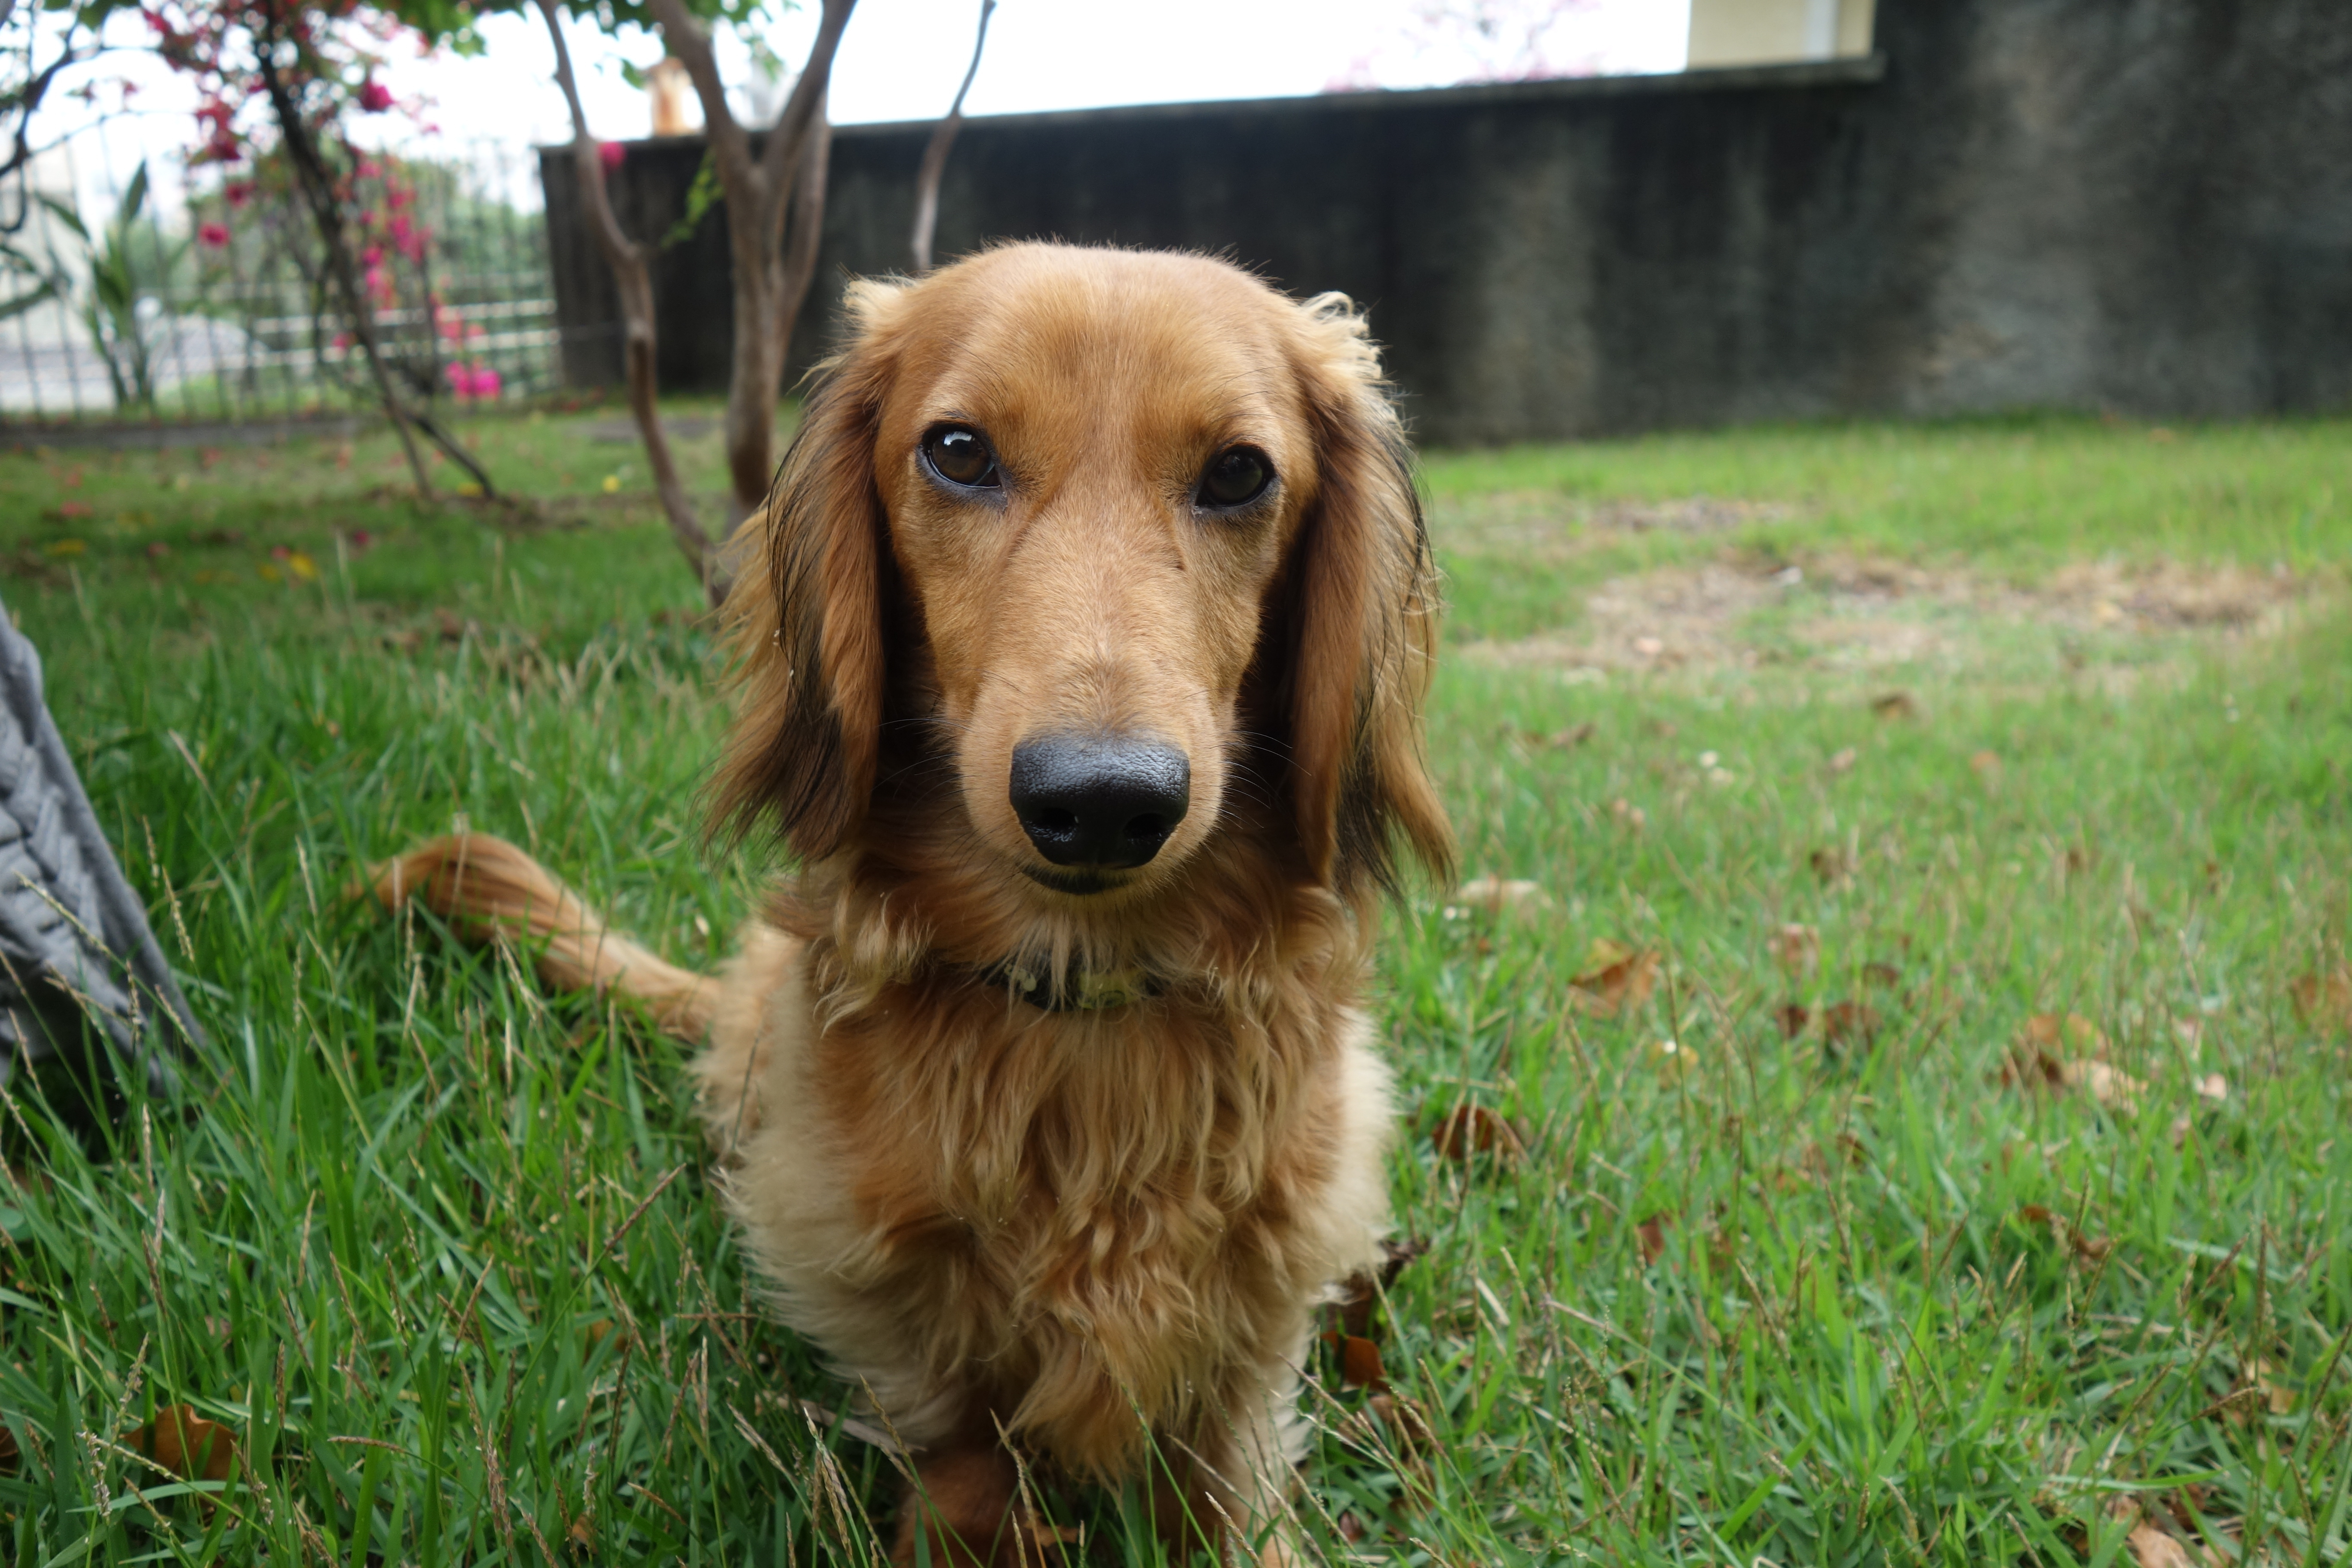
1794 1018
1468 1129
1614 980
1797 949
184 1443
1574 736
9 1456
581 1534
2213 1088
2111 1086
2048 1031
1359 1363
1885 976
2324 1001
1351 1528
1650 1236
1843 761
1496 894
1359 1293
1829 865
1844 1023
2151 1548
1894 705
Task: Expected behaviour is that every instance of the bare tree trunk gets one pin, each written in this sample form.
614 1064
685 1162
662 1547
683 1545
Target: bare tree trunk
633 281
760 192
935 153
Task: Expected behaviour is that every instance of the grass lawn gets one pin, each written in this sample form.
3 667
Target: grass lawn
1907 1103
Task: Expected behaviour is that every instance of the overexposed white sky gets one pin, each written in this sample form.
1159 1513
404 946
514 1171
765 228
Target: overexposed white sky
900 59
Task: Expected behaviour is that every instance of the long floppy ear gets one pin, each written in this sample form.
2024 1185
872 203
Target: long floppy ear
806 613
1365 620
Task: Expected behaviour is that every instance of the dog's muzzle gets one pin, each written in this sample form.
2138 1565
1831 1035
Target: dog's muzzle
1107 801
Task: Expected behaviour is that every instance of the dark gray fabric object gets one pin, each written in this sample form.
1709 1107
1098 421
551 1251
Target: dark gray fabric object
74 938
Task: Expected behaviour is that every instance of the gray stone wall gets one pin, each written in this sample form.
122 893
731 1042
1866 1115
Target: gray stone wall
2136 204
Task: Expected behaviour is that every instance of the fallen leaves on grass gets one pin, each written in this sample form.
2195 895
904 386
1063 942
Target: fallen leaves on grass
1895 705
184 1443
1797 949
2324 1000
1615 978
1496 894
2151 1548
1468 1129
2054 1052
1361 1292
1841 1024
1843 761
1566 740
1830 867
1650 1236
1849 1023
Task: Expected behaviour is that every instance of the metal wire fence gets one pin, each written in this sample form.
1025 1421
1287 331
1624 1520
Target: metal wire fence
185 296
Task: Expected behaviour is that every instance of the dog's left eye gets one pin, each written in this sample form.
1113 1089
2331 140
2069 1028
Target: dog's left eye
962 456
1234 477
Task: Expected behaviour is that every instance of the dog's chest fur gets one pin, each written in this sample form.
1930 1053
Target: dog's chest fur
1063 1219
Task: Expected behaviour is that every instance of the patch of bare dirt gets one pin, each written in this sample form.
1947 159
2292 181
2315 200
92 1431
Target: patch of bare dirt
1864 613
1543 525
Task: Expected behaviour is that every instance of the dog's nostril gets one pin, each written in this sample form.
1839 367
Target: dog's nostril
1109 801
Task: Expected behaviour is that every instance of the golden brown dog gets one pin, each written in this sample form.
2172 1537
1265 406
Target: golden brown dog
1079 654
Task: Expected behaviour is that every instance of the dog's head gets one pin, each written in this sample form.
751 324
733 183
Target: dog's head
1133 540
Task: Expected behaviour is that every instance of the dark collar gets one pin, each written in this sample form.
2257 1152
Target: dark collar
1078 991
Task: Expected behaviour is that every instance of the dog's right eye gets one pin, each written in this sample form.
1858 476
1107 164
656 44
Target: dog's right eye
961 456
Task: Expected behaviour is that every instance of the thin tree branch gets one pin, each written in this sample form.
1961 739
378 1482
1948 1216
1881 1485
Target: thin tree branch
935 153
632 282
317 190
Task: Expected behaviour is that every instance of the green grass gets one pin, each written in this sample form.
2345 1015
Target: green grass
439 1249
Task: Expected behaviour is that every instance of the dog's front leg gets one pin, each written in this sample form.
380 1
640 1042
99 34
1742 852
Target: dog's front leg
1228 1490
966 1509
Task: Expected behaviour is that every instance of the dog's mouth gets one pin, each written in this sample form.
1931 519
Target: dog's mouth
1080 879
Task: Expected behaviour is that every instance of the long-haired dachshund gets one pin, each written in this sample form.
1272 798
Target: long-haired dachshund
1079 658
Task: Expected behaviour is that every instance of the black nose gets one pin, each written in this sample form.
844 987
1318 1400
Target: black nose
1099 800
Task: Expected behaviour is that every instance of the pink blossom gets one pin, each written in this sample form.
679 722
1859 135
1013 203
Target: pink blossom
372 256
342 342
611 152
238 192
374 97
214 234
478 382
